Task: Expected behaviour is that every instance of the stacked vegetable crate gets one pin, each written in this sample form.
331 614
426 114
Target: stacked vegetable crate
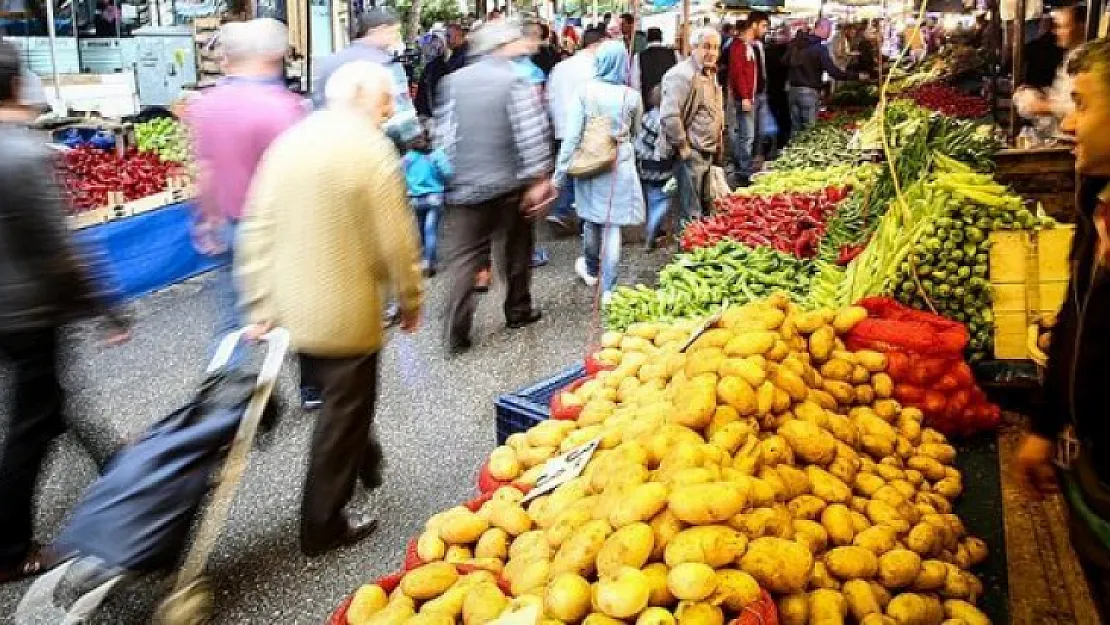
1029 276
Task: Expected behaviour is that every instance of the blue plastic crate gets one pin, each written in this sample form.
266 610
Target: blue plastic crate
520 410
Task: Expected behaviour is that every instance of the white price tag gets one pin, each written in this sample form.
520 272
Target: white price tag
562 469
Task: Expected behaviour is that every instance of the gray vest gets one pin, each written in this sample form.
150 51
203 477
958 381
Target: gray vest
485 157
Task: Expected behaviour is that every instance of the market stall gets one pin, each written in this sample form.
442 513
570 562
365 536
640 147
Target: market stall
130 192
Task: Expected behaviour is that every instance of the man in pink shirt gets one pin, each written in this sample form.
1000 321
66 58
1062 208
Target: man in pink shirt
232 124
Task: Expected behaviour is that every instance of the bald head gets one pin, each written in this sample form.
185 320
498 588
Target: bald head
361 87
255 47
823 28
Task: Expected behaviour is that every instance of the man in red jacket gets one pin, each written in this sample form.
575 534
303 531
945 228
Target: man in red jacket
747 79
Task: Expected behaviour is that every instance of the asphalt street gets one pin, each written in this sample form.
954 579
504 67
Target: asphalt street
435 418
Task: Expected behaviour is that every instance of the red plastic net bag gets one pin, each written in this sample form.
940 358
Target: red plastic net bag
925 360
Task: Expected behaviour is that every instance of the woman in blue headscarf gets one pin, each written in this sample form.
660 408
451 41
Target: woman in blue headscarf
613 198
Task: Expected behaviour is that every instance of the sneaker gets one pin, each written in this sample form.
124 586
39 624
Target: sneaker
540 257
583 272
391 316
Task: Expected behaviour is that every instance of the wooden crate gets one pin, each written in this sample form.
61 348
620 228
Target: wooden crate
177 191
1029 277
1043 175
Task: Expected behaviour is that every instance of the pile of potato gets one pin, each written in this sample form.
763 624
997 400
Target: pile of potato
764 457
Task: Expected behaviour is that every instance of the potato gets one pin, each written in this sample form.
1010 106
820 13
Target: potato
881 512
368 600
567 523
655 616
430 547
529 577
821 343
875 362
395 613
657 583
908 609
429 580
702 504
879 539
624 595
964 611
530 546
629 546
736 590
821 578
483 604
827 487
931 577
736 392
789 381
640 503
509 517
898 568
462 527
795 480
714 545
747 368
806 507
976 549
794 609
925 539
847 318
750 344
698 613
694 405
877 619
837 521
597 618
861 599
852 562
809 442
503 463
665 526
731 436
452 600
827 607
780 566
579 553
811 534
692 581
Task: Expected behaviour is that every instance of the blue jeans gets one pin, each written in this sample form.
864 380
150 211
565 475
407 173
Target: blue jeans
229 315
803 107
601 245
428 209
744 142
564 204
658 205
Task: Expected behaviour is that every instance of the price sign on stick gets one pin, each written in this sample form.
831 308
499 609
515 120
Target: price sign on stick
562 469
708 323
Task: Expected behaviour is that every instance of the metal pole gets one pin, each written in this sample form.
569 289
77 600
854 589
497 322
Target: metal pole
684 30
53 37
1018 43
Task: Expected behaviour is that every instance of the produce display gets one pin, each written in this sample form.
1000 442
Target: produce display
703 280
792 223
810 180
766 457
948 100
89 174
165 137
817 147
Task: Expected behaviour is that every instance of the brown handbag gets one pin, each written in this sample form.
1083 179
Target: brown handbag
597 151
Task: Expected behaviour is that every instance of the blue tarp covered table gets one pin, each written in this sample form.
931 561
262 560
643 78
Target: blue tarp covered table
147 252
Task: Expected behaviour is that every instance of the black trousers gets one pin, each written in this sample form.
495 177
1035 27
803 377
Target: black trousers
36 420
468 231
344 445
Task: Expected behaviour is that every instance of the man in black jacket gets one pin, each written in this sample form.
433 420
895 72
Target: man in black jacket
808 60
43 286
1074 407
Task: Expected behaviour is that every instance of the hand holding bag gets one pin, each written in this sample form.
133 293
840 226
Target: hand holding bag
597 151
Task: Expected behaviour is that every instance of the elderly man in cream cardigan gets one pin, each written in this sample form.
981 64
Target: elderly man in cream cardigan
328 228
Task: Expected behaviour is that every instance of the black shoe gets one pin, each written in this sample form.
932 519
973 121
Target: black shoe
527 320
459 346
311 398
354 531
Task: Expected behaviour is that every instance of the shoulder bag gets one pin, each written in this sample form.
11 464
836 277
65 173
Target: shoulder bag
597 151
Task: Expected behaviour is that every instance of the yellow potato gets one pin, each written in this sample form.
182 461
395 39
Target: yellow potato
483 604
368 600
794 609
701 504
879 539
908 609
657 582
579 553
396 613
714 545
629 546
811 534
736 392
567 598
457 553
597 618
503 463
429 580
827 607
735 590
624 595
852 562
780 566
430 547
692 581
965 612
699 613
847 318
641 503
837 520
509 517
861 599
530 546
750 344
898 568
656 616
828 487
462 527
809 442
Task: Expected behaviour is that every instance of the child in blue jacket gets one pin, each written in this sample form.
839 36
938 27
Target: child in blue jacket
426 174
